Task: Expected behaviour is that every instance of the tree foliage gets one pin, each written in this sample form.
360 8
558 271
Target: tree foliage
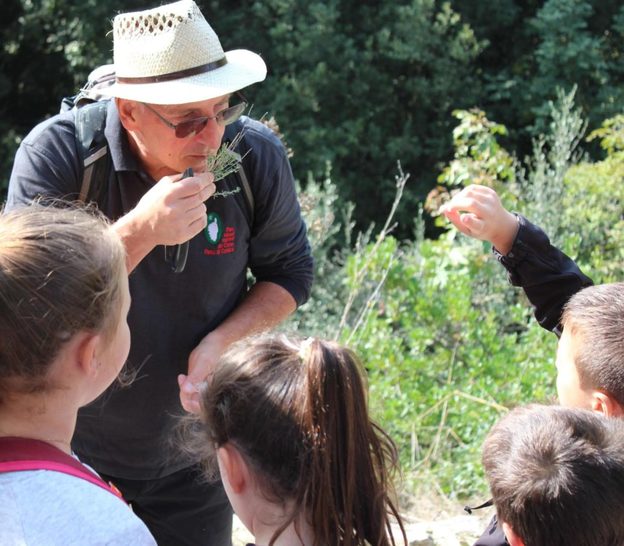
449 345
359 85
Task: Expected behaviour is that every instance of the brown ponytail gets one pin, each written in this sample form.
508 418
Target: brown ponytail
297 411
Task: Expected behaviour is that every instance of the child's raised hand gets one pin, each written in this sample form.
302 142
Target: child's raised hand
477 211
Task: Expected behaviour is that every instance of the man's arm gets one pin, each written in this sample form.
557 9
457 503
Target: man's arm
279 258
548 277
266 305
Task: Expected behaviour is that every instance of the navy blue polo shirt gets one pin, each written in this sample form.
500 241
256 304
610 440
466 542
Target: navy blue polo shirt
127 431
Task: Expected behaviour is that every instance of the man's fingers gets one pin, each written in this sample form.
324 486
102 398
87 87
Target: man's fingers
190 401
199 223
189 394
204 178
196 185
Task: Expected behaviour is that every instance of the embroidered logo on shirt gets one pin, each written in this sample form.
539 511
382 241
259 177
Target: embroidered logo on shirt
214 229
216 234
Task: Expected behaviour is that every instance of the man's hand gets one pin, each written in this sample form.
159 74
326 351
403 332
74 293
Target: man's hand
170 213
477 211
202 362
266 305
173 211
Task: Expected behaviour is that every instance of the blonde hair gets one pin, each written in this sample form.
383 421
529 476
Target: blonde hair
60 271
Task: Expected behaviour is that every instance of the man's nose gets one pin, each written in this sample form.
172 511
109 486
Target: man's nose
211 135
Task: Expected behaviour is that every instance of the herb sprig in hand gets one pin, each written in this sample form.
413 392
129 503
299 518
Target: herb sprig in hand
225 162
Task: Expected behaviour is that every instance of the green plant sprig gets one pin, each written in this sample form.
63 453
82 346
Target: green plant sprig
226 193
226 161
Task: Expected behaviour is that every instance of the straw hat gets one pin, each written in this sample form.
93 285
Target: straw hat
171 55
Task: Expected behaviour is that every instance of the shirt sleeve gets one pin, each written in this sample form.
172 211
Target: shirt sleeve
548 277
492 536
45 164
279 248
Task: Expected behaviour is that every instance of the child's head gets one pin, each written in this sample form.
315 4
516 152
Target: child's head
62 272
590 356
295 414
557 476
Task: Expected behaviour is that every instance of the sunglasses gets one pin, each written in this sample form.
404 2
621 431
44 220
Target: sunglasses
194 126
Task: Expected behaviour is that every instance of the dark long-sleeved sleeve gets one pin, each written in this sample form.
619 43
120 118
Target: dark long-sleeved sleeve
46 164
548 277
492 536
279 251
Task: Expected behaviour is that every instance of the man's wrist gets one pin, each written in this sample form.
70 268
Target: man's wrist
135 237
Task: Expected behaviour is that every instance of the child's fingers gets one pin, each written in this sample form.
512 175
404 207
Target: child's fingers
456 218
473 224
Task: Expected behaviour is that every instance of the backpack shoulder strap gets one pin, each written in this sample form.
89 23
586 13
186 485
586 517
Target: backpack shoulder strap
20 454
231 133
249 197
90 142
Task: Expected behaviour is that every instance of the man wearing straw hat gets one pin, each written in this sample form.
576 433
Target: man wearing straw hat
174 93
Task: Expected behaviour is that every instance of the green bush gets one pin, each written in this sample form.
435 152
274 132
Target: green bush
448 344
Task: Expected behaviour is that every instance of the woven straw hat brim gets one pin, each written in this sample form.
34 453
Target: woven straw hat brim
243 68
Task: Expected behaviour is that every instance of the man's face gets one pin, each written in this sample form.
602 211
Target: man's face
165 154
568 382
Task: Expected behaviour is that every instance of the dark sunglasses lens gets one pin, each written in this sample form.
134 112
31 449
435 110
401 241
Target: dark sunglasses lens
231 114
190 127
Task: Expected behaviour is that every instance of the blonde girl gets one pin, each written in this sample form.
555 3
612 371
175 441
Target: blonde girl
63 340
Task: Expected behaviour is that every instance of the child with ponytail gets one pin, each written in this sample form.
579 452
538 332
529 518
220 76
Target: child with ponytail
301 461
63 340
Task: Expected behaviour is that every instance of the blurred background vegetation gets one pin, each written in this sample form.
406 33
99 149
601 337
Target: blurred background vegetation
384 103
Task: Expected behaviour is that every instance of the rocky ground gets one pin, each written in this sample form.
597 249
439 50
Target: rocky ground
445 530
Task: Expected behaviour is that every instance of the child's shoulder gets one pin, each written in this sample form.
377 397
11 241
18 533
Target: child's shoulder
41 504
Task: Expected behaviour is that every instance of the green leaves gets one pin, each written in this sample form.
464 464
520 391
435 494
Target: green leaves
448 344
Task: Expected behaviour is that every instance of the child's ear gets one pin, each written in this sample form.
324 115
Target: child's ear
86 352
606 404
233 468
512 537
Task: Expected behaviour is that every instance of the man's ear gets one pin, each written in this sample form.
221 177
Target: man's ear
607 405
233 468
127 113
512 538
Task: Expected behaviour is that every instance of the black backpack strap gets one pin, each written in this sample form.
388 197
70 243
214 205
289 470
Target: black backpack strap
248 194
91 144
231 131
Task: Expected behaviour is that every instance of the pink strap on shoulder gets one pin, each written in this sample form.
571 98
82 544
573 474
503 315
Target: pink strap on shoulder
21 454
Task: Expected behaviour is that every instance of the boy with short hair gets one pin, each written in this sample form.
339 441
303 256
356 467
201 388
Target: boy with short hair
590 354
590 362
557 476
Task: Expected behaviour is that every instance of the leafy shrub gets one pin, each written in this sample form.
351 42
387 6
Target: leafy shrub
449 346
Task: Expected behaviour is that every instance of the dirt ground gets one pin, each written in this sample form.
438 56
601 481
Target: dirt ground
445 528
